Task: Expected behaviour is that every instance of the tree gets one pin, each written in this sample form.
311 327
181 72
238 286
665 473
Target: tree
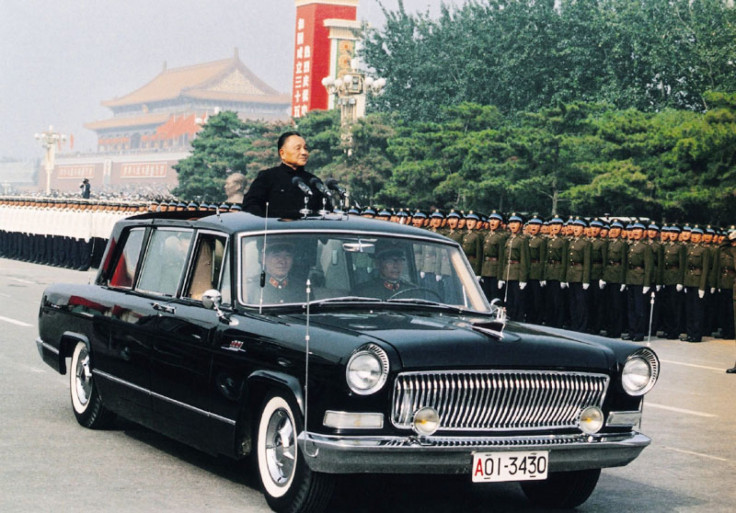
220 146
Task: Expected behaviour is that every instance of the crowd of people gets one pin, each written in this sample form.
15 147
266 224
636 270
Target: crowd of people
623 278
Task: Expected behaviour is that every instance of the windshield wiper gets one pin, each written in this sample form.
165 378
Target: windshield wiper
345 299
419 301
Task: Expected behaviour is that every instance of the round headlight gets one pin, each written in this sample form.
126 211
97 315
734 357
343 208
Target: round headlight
640 372
591 420
367 370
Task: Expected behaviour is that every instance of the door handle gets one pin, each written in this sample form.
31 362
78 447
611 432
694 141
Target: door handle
164 308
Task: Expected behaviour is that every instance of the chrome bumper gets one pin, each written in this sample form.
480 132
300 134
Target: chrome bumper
445 455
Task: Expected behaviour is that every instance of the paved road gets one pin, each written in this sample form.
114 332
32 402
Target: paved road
50 463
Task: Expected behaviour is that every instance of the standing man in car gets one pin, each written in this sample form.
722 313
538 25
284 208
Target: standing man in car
279 187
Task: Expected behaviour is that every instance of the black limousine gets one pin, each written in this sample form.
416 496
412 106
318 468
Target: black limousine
338 344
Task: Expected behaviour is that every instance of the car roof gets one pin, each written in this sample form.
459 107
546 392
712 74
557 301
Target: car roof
237 222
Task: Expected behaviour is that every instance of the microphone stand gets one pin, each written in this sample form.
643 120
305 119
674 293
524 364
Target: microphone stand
305 211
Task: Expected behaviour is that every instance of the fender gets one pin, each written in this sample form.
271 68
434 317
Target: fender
67 342
282 381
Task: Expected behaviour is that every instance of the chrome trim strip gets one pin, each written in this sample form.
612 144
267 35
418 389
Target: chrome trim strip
498 400
48 346
194 409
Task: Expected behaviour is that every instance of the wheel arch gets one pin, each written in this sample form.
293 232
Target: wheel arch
259 384
67 343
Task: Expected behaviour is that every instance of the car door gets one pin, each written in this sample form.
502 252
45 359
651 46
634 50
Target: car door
182 351
122 367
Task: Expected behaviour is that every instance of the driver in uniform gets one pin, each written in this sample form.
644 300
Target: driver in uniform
390 262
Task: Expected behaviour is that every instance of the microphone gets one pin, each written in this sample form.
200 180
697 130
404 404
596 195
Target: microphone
302 186
317 184
332 184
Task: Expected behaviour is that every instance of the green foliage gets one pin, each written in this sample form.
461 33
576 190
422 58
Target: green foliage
224 144
525 55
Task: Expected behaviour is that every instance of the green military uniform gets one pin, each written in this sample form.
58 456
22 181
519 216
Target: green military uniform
537 252
638 282
673 278
472 244
490 270
577 275
614 275
697 279
554 276
726 289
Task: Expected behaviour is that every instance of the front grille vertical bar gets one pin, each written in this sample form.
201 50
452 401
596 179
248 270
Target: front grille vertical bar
497 400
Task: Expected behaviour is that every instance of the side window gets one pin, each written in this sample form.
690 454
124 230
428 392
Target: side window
208 259
164 262
124 272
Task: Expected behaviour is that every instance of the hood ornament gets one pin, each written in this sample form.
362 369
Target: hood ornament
495 326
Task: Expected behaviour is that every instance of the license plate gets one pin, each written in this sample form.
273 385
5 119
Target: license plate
509 466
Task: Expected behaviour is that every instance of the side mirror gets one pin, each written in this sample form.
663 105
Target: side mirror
212 299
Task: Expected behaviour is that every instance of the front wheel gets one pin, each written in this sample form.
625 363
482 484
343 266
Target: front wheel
562 489
86 401
288 483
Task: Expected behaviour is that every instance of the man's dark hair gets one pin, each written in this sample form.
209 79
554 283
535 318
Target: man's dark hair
283 137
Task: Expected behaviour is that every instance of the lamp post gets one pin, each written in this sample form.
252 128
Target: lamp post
351 90
49 140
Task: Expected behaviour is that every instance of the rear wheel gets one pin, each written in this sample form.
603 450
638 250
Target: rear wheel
86 401
288 483
562 489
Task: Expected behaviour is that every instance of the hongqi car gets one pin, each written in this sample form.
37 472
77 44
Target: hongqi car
367 347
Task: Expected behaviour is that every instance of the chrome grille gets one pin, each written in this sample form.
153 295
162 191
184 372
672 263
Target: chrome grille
498 400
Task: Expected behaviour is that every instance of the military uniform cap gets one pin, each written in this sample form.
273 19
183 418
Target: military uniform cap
638 226
556 220
535 220
224 206
354 210
675 229
453 215
436 215
579 222
385 213
419 214
709 229
732 232
617 224
236 207
387 248
653 226
515 218
401 213
687 228
472 215
495 215
597 222
368 211
697 229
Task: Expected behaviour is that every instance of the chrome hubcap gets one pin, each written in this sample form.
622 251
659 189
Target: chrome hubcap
84 377
280 447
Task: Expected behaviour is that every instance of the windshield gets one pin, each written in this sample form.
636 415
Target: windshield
346 267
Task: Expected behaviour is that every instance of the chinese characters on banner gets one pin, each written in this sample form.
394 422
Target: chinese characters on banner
302 70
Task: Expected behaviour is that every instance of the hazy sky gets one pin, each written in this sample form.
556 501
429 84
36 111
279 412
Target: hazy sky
62 58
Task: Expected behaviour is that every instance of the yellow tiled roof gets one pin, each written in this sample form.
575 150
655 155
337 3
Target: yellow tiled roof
203 81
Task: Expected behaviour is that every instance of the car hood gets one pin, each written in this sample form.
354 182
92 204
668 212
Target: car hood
426 341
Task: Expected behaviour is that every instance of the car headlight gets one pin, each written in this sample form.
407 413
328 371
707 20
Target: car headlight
640 372
367 370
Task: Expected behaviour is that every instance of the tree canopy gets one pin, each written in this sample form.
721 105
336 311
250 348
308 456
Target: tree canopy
581 107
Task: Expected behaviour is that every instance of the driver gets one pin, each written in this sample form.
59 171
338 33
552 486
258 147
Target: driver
390 262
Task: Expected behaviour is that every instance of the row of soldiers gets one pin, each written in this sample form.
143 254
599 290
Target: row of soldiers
62 231
621 279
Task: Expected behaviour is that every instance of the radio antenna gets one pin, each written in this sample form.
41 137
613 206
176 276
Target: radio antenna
263 261
306 371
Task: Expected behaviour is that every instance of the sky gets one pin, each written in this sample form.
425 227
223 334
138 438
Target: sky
61 58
